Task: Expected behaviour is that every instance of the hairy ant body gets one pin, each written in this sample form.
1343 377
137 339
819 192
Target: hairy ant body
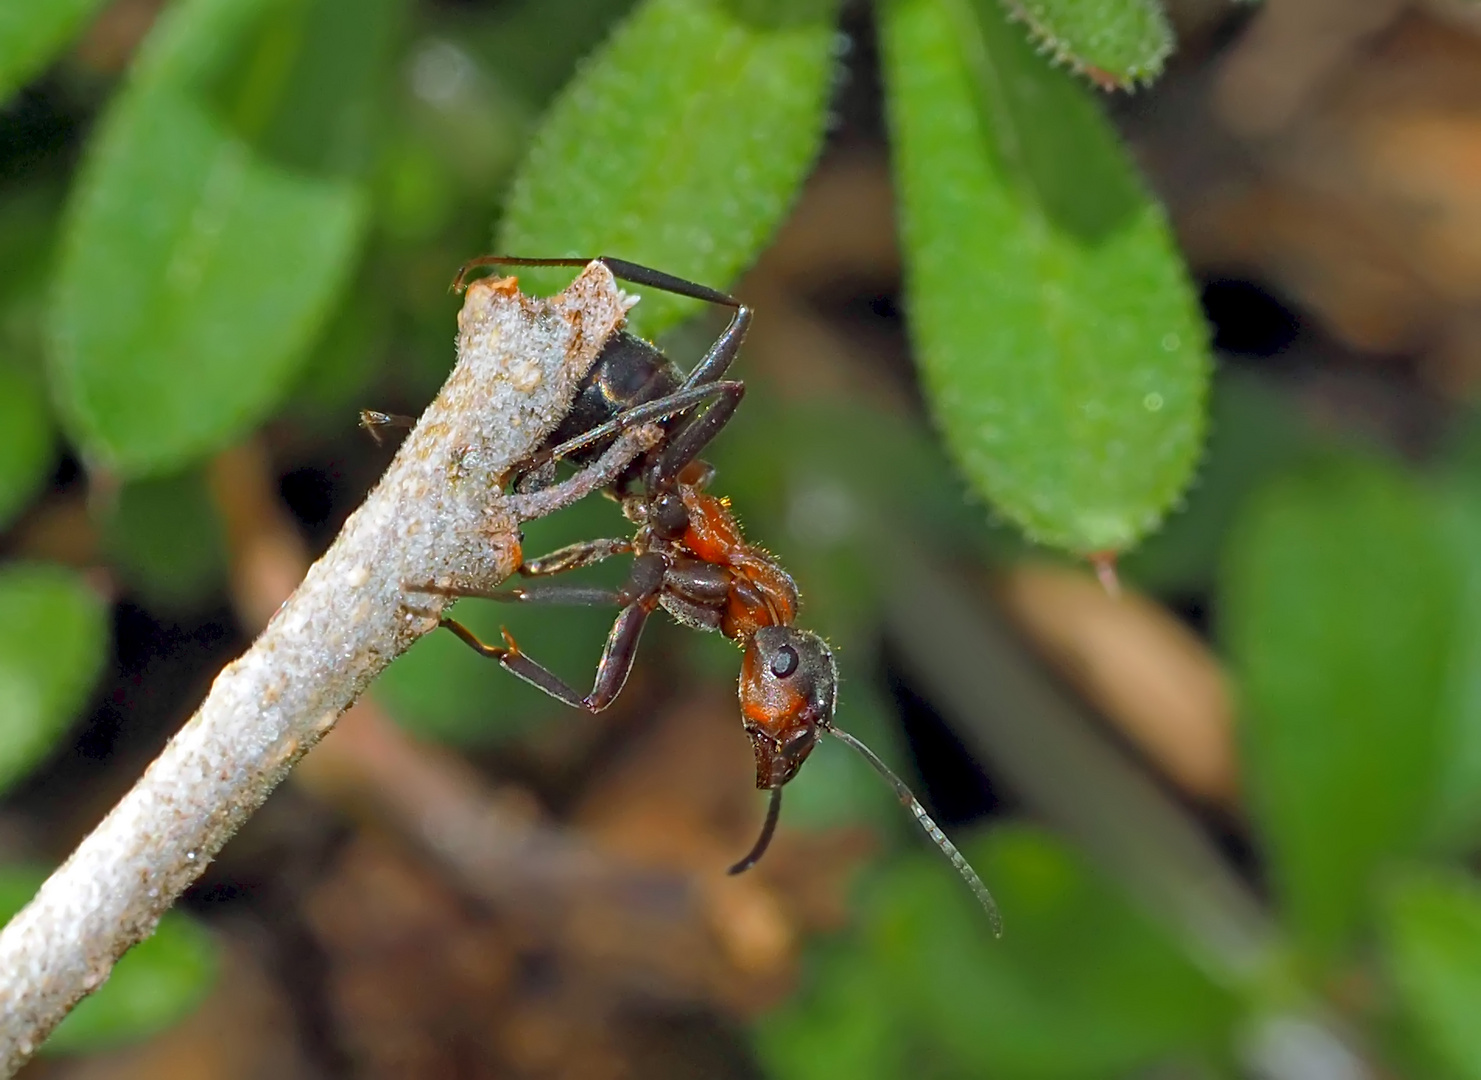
690 557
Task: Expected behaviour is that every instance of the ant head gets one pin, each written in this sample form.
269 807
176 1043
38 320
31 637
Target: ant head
788 682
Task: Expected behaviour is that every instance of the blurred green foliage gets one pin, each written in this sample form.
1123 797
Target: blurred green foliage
262 225
32 34
53 642
1347 751
165 540
1082 985
25 440
242 151
1432 928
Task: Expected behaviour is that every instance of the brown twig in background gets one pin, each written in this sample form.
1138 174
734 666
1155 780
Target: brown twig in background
438 514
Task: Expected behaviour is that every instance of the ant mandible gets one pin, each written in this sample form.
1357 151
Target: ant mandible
689 555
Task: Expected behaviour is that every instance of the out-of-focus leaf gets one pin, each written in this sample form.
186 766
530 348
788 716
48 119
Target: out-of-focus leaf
157 982
1080 984
1117 43
25 440
534 47
1433 931
679 145
1338 607
166 540
444 690
32 33
1254 430
467 130
846 1024
53 639
303 85
1457 810
214 222
348 356
29 215
1061 344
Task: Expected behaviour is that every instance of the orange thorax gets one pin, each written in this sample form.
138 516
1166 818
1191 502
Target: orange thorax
761 592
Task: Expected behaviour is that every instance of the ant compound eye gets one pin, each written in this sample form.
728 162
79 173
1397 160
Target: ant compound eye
785 662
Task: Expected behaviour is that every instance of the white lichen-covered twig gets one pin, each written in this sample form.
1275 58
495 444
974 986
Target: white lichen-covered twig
439 514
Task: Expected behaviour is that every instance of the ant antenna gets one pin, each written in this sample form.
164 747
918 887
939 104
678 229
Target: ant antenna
768 829
907 797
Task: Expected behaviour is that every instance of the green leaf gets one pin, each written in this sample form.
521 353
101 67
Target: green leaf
845 1024
1457 810
166 540
534 48
1080 984
214 223
679 145
53 640
1118 43
26 444
31 34
156 983
1338 608
1061 346
1433 934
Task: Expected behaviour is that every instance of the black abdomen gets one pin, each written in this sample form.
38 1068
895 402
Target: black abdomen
629 371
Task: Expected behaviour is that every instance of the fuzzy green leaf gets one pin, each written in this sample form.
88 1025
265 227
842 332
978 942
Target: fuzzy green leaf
1117 43
156 983
1338 607
32 33
1433 934
1061 345
216 219
679 145
53 640
26 446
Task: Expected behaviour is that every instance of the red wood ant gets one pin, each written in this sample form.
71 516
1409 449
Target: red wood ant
689 556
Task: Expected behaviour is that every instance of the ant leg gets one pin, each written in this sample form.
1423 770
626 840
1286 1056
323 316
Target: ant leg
544 593
640 597
571 557
512 660
375 423
679 401
575 556
526 506
685 444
